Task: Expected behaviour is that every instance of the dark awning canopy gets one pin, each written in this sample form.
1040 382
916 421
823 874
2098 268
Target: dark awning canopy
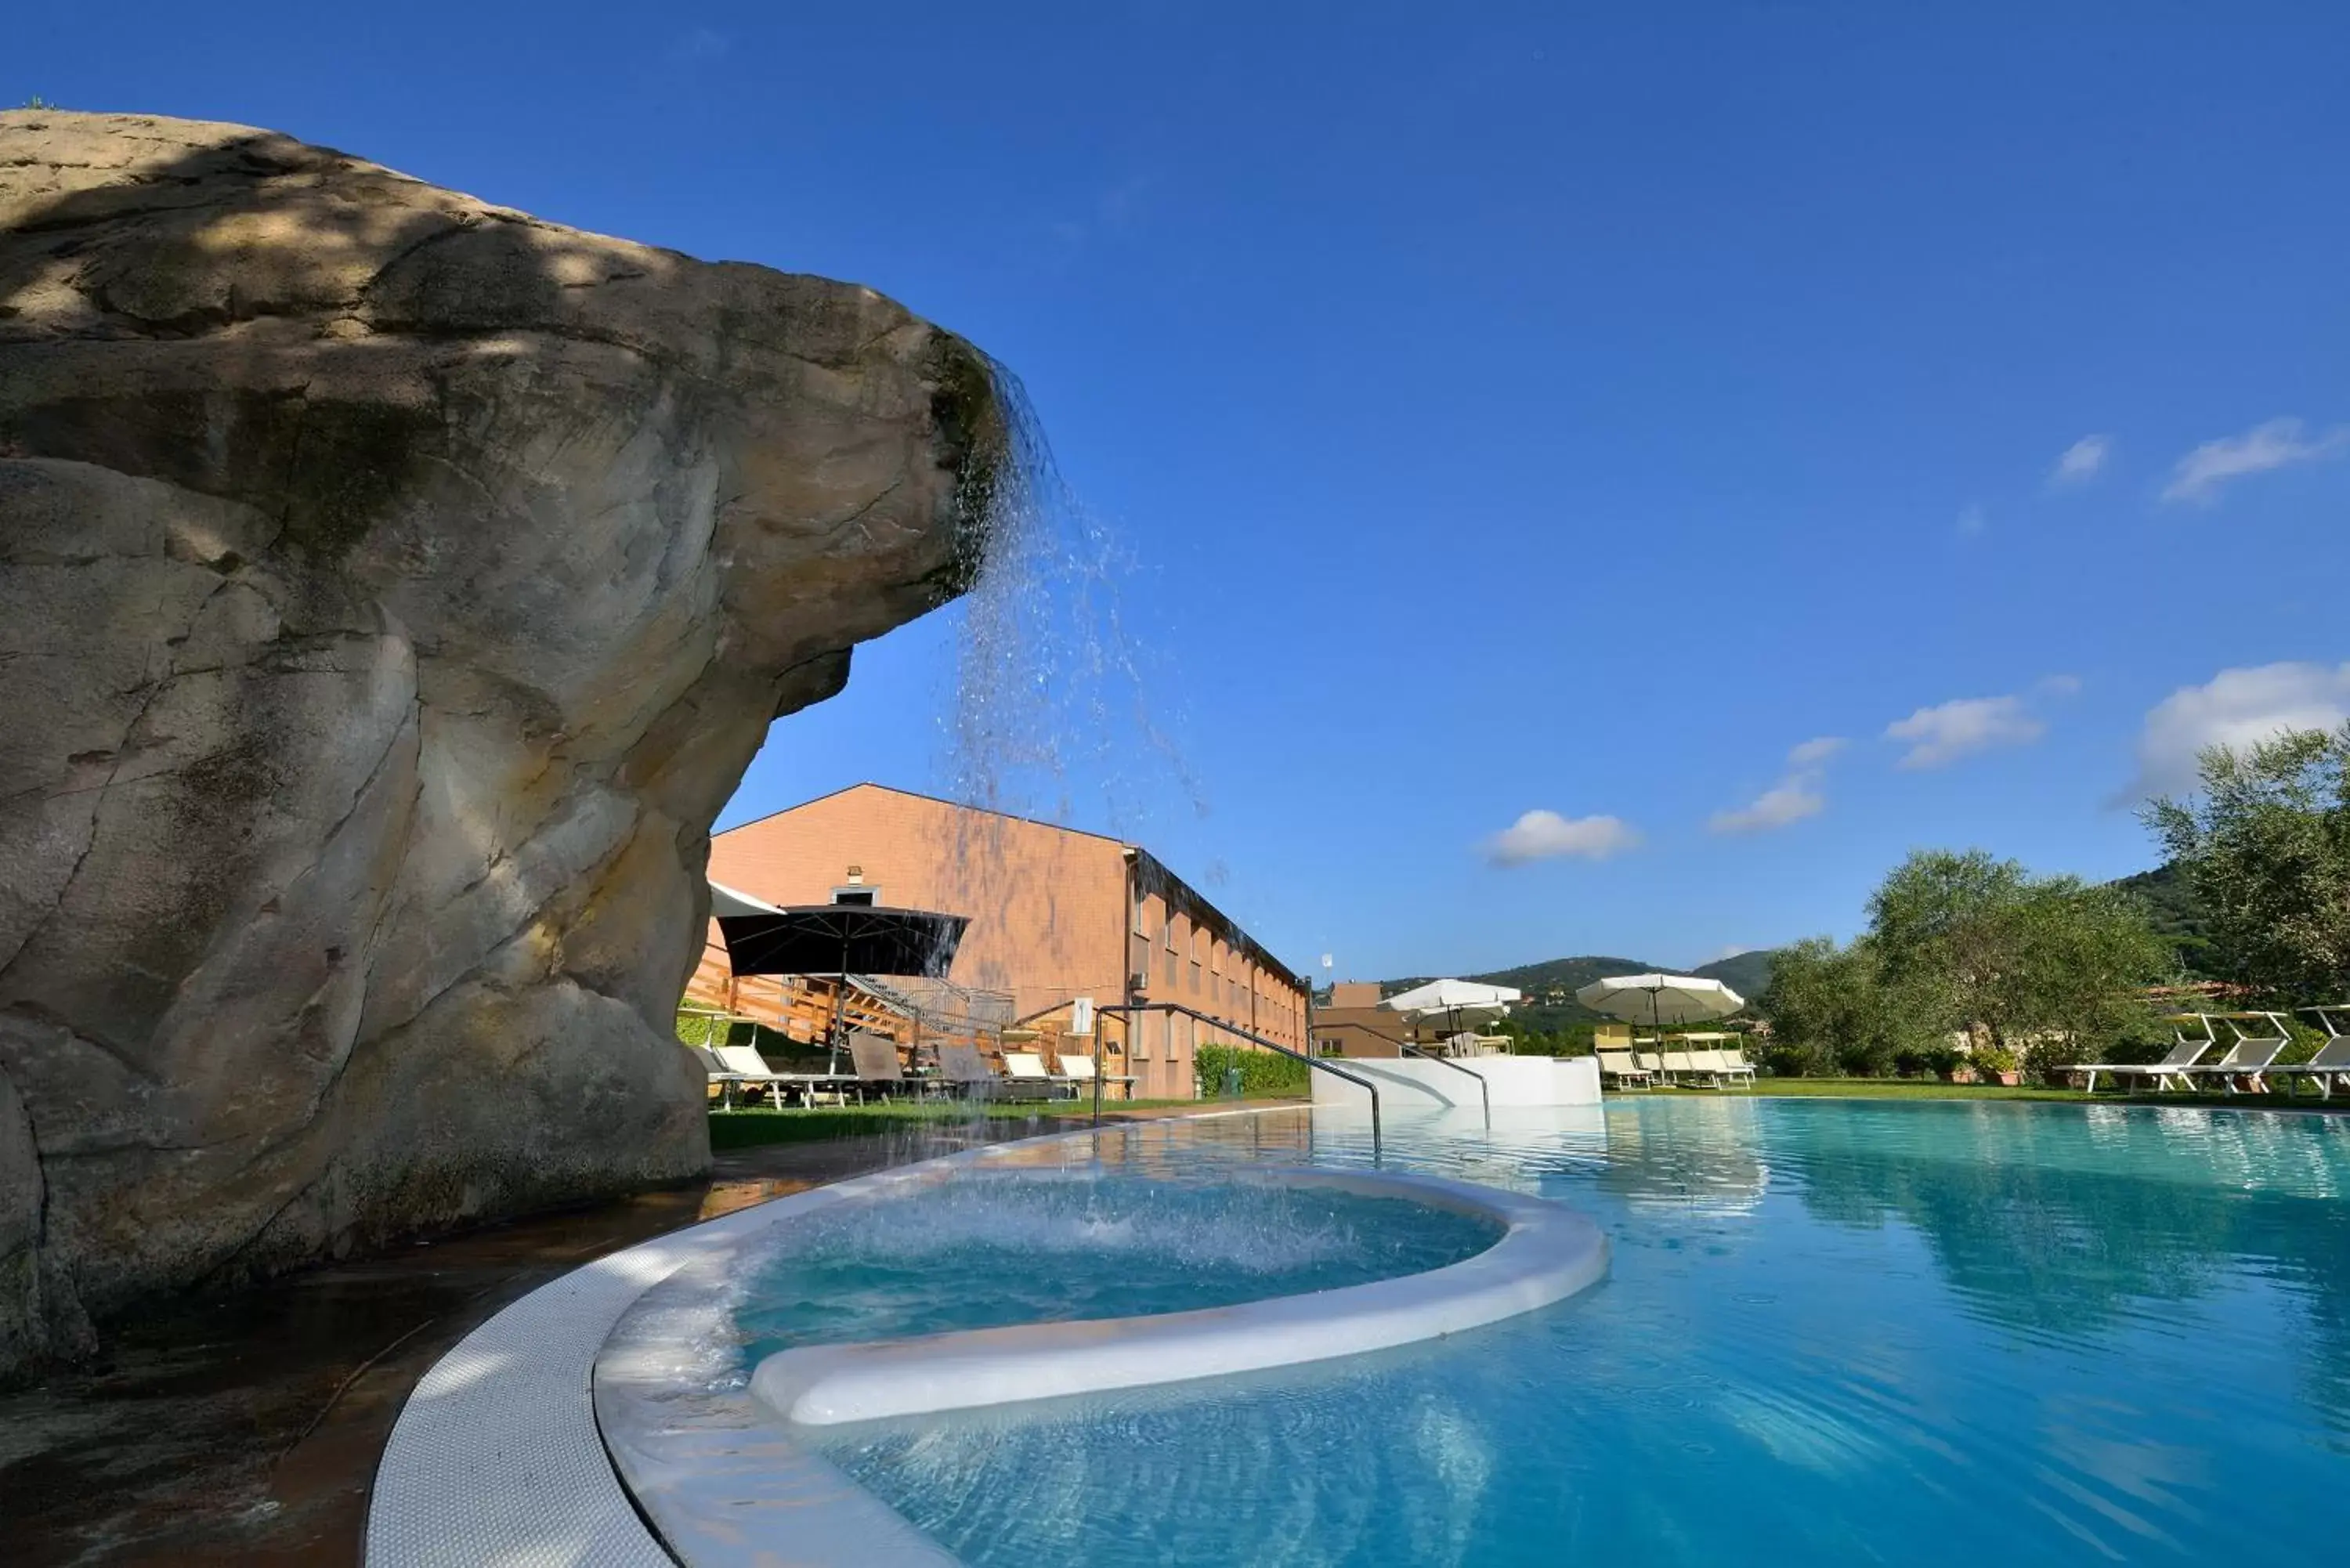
843 939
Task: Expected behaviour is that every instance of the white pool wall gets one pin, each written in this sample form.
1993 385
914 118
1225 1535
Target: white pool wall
1407 1083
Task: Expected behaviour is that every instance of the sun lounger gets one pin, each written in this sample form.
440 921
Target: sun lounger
2166 1073
751 1070
2331 1063
1079 1071
1680 1067
1735 1066
724 1080
967 1072
874 1058
1721 1068
811 1087
1626 1073
1025 1077
2246 1058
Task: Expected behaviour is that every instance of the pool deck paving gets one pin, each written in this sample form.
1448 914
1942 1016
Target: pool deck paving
244 1428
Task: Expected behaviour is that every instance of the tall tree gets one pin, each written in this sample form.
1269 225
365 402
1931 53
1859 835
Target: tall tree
1825 1009
2266 847
1968 944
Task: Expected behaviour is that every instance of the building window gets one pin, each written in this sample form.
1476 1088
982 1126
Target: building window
864 898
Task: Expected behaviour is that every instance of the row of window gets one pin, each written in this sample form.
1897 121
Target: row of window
1206 956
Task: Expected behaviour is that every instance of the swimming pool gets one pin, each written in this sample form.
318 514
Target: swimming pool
1834 1333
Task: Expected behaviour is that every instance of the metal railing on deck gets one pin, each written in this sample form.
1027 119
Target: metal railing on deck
1127 1010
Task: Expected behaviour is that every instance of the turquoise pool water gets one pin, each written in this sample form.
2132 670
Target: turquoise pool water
1836 1333
986 1251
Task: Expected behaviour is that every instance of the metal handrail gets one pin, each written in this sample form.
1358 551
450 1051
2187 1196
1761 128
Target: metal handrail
1485 1086
1123 1009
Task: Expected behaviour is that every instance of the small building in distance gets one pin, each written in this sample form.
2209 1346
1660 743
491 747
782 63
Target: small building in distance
1055 914
1355 1025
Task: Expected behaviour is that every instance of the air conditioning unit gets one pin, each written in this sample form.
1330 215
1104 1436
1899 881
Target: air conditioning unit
1135 984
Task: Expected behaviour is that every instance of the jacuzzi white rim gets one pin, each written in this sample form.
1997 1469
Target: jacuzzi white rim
496 1456
1545 1253
514 1447
713 1471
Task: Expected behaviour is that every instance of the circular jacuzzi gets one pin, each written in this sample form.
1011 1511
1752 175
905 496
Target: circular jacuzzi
670 1403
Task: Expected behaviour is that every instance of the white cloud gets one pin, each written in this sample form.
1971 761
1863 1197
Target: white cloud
2058 686
2082 461
1546 836
2279 443
1792 799
2235 708
1941 735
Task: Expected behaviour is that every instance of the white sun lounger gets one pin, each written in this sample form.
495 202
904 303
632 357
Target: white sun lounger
2331 1063
1727 1067
723 1079
746 1060
1628 1074
750 1069
2247 1057
1025 1077
2166 1073
1079 1071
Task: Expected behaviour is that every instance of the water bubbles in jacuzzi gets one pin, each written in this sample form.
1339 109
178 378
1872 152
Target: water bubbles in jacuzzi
987 1252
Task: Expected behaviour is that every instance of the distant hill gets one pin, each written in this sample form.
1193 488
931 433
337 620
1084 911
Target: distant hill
1748 973
2174 911
1562 976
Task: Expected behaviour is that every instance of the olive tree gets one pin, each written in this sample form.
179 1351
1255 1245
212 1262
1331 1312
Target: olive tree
1826 1011
2265 846
1970 945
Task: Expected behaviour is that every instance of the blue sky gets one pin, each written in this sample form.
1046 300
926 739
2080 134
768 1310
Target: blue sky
1490 411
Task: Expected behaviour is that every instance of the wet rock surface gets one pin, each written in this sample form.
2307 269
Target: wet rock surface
392 589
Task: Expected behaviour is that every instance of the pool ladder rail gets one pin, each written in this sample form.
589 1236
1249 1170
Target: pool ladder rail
1127 1009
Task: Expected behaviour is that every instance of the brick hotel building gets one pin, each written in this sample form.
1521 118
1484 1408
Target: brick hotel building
1055 914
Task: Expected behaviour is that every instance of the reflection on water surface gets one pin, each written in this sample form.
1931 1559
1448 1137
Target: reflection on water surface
1836 1333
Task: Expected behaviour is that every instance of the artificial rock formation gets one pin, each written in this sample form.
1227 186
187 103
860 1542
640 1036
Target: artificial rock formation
392 589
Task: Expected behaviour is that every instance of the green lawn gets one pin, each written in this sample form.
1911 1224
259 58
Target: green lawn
1908 1089
745 1129
1934 1089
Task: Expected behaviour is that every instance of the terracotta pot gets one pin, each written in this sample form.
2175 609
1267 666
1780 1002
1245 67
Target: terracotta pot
1960 1075
2010 1079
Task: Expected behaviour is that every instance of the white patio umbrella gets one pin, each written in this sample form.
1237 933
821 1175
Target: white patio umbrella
1661 999
1453 1000
725 900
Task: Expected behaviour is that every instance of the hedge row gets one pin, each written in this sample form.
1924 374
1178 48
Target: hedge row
1263 1072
